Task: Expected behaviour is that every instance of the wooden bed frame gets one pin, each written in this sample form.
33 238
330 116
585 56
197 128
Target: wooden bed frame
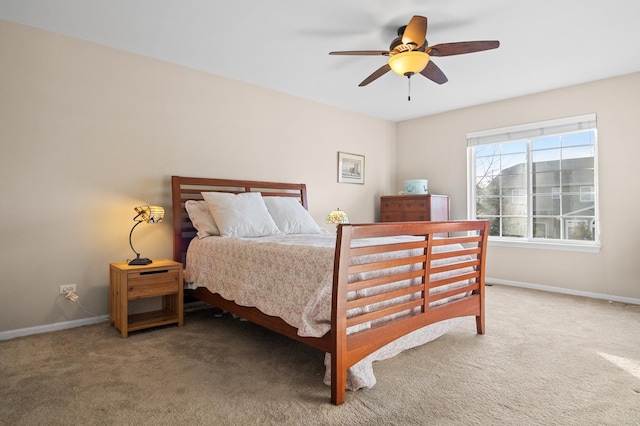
345 348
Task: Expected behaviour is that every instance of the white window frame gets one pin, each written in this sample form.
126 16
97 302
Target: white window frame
532 131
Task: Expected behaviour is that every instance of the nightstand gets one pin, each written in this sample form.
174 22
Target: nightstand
162 278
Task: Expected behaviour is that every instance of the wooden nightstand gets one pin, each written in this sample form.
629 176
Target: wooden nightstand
162 278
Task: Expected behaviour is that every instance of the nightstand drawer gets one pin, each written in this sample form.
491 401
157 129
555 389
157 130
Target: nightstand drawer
160 282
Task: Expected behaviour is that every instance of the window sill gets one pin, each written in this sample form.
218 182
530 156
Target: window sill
585 248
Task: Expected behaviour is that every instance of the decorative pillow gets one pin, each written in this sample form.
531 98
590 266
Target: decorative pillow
240 215
290 216
201 218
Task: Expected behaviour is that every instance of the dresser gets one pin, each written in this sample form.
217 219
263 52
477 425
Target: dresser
406 208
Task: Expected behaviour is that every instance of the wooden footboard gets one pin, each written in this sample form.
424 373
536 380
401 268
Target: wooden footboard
427 280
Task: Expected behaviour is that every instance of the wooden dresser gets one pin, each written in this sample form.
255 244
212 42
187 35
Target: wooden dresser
406 208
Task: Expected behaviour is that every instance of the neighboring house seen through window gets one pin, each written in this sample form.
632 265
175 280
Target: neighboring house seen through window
536 182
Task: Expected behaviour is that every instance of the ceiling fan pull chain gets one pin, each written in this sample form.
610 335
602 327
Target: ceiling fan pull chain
409 92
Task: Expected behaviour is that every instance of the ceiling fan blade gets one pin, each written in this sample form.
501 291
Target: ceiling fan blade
433 73
376 74
416 32
461 47
362 52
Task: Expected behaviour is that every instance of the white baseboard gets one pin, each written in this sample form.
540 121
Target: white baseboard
552 289
11 334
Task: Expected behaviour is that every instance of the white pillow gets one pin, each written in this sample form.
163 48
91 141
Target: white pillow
201 218
290 216
240 215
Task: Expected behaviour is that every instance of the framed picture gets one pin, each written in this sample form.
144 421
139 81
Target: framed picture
350 168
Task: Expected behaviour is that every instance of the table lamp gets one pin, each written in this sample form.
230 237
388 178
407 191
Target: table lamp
148 214
337 217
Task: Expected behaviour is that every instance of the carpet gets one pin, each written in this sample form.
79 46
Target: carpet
546 359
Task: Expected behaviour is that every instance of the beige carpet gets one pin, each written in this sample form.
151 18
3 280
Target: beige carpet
546 359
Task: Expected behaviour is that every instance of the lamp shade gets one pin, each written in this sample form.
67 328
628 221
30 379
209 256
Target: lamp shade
149 214
337 217
411 62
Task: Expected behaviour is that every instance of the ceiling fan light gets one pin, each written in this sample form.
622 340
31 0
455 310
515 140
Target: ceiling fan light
411 62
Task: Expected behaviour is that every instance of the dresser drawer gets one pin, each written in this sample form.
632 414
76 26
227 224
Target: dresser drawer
414 216
389 216
391 205
159 282
414 205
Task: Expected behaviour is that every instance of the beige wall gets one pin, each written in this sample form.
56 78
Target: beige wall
90 132
435 148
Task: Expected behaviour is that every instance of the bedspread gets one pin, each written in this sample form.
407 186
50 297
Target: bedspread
293 283
288 276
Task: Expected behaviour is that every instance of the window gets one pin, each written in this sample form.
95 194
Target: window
536 182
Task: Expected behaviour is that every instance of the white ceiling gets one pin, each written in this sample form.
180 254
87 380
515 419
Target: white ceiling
283 44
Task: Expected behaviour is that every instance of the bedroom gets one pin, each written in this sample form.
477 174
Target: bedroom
89 132
105 129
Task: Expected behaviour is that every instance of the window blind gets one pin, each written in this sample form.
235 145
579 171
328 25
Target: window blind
532 130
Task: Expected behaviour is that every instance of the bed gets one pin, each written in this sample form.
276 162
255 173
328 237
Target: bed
362 294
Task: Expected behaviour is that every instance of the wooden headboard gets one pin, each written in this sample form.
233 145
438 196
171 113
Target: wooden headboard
191 188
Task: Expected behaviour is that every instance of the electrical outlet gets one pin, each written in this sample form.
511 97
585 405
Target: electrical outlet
64 289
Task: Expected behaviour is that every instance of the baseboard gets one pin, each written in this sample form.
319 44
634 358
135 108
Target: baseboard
551 289
11 334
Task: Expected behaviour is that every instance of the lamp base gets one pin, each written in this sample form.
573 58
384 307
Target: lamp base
140 261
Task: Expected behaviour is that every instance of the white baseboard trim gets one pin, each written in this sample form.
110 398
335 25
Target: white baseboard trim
551 289
21 332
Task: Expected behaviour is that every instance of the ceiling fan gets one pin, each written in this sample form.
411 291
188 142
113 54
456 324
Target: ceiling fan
409 53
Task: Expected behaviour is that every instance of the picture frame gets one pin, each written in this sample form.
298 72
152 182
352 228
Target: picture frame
350 168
